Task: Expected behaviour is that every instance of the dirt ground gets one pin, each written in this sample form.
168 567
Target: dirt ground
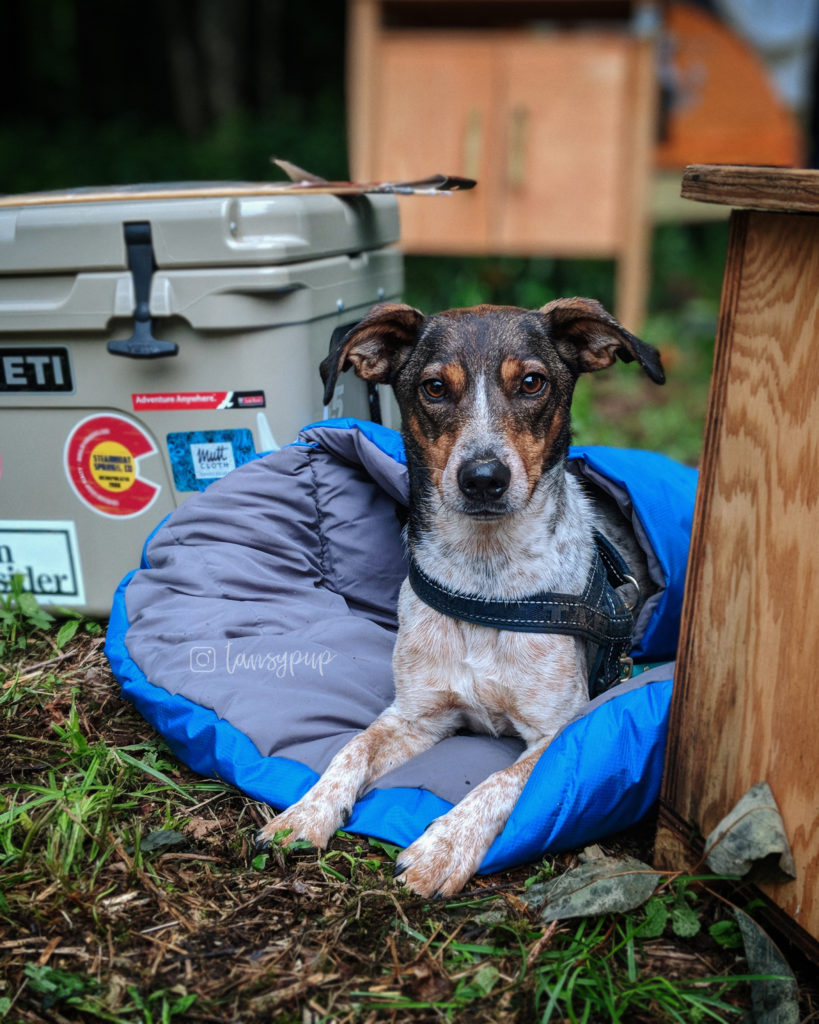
200 929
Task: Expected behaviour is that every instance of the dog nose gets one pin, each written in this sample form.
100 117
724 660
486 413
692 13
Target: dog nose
484 479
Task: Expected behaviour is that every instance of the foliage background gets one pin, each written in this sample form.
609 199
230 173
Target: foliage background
94 92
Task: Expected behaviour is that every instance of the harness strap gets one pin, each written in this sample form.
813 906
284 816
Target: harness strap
600 615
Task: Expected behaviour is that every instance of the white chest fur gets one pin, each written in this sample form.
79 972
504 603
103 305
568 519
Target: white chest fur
490 680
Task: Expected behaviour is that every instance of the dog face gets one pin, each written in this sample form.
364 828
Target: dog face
484 400
485 392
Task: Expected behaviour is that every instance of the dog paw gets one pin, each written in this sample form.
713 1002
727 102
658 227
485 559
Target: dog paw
440 862
302 823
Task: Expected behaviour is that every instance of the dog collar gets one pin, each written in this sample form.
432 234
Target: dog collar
601 615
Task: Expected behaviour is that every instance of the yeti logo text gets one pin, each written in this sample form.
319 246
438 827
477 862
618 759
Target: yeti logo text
278 663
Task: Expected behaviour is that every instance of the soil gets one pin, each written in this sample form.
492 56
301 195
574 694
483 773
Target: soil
306 938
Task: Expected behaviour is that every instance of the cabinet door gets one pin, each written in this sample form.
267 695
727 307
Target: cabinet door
433 103
565 143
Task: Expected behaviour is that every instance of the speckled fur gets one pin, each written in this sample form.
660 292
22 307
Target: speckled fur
536 536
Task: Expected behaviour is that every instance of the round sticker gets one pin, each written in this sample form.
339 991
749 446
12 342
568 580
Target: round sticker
102 456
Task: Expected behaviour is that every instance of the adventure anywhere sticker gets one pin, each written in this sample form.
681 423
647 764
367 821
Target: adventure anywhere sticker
101 459
197 400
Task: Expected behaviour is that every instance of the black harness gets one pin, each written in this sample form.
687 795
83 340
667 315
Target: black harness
601 615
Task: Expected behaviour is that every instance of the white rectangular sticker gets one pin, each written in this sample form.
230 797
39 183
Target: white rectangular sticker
212 460
46 554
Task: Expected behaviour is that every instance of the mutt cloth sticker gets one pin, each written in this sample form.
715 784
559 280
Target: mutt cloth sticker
198 457
102 456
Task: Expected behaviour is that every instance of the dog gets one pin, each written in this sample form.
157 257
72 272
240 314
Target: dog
494 516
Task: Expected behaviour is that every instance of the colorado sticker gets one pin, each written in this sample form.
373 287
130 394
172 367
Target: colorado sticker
101 459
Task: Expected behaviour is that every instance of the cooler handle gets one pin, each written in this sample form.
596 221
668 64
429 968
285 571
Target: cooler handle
142 344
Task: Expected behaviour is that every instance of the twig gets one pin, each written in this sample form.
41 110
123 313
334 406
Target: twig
33 669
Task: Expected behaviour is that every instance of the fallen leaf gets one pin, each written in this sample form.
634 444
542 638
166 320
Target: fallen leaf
158 840
751 832
602 886
775 998
198 828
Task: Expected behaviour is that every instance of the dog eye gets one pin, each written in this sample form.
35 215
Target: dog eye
533 384
434 388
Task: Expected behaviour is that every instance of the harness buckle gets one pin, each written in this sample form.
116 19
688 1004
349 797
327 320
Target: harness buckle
626 667
635 600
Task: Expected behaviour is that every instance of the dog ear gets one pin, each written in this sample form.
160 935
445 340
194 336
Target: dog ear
374 347
587 337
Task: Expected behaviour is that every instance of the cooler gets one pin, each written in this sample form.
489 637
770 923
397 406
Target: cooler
149 345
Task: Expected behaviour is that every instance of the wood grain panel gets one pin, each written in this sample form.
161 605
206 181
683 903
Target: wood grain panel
744 707
434 106
560 92
754 188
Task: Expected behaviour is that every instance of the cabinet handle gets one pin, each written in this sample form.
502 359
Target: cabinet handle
473 144
516 159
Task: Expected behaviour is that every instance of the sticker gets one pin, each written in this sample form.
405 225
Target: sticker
35 369
162 401
212 459
335 410
46 554
101 458
198 457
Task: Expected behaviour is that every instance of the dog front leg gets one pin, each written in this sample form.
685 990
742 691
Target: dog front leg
443 859
388 742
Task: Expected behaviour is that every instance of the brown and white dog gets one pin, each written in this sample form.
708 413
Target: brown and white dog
484 395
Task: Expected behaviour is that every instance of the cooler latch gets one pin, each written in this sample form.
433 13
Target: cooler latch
142 344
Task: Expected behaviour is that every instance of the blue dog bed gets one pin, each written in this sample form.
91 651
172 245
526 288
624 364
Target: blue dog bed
257 634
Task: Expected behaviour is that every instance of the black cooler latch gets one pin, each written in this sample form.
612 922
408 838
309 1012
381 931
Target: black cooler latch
142 344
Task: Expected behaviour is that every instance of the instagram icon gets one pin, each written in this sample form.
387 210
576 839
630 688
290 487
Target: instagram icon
203 659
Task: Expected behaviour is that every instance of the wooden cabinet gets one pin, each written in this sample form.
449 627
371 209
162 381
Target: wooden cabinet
434 108
562 176
744 704
556 124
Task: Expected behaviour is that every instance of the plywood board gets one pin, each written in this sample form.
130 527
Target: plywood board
744 707
753 188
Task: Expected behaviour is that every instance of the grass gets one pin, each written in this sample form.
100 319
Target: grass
131 893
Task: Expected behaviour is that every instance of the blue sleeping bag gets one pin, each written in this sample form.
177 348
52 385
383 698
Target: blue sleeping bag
257 636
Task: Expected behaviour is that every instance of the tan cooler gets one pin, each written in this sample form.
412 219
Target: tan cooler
150 345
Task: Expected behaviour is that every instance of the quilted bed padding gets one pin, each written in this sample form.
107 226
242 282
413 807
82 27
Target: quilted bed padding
257 636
